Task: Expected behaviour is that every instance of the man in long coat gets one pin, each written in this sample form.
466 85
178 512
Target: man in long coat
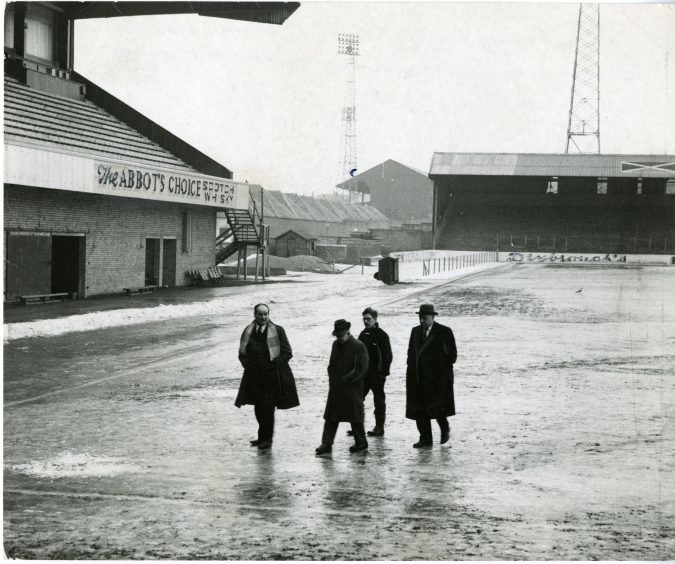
429 377
267 383
346 370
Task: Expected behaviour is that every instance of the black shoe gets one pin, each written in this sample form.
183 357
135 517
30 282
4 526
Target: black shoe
421 443
263 445
358 448
255 442
350 433
377 431
445 436
323 449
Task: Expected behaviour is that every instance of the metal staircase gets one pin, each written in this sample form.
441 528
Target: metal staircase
245 230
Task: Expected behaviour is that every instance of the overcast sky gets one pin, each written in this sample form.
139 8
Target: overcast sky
266 100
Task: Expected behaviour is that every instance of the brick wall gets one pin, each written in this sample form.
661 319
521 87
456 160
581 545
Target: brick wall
115 230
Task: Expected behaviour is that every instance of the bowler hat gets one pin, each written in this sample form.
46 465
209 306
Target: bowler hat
426 309
340 326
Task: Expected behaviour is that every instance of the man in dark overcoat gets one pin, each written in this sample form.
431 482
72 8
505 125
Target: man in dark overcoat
346 370
267 383
429 376
379 361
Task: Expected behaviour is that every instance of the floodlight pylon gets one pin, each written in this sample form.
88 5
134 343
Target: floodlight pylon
583 127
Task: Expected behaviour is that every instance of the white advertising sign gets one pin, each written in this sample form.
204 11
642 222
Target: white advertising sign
33 166
138 181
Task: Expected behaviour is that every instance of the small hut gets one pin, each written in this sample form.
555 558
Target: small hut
294 242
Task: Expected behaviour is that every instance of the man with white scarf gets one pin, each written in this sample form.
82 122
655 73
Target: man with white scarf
267 383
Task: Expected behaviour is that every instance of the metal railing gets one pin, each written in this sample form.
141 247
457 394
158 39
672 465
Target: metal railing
456 262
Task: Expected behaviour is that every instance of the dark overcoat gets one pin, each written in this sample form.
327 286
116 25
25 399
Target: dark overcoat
429 377
346 370
267 382
379 351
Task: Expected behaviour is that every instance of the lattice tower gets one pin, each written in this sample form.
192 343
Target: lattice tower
583 128
348 44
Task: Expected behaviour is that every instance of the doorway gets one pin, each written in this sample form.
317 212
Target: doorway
152 255
169 262
66 267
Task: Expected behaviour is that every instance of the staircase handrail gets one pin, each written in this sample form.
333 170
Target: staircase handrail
255 214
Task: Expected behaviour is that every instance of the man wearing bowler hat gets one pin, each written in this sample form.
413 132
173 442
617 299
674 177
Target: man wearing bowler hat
429 377
346 371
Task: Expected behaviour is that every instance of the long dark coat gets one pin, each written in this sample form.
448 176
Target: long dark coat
429 377
267 382
346 370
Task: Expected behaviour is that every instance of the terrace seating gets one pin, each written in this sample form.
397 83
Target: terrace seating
638 231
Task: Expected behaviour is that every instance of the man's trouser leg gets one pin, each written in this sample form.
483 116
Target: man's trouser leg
264 414
329 430
443 424
380 403
359 433
424 427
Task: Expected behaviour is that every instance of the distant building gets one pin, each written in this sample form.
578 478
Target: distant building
294 242
575 203
400 192
97 197
324 219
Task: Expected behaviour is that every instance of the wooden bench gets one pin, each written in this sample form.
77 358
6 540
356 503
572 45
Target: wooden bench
42 298
140 290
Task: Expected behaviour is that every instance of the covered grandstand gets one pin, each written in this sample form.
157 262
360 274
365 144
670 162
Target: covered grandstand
580 203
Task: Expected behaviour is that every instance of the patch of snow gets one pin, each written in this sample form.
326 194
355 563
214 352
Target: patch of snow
293 288
69 465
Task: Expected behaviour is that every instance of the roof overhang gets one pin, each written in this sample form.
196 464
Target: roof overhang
261 12
552 164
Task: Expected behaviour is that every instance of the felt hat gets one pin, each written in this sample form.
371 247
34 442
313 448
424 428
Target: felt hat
426 309
340 326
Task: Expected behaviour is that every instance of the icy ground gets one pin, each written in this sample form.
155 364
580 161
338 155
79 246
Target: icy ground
314 287
123 442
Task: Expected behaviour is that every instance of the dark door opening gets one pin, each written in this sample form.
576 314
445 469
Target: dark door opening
169 262
152 262
66 263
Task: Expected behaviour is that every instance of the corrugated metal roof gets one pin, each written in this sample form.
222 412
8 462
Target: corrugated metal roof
552 164
294 206
34 116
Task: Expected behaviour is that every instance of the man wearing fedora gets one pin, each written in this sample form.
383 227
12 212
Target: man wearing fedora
347 369
268 382
429 376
